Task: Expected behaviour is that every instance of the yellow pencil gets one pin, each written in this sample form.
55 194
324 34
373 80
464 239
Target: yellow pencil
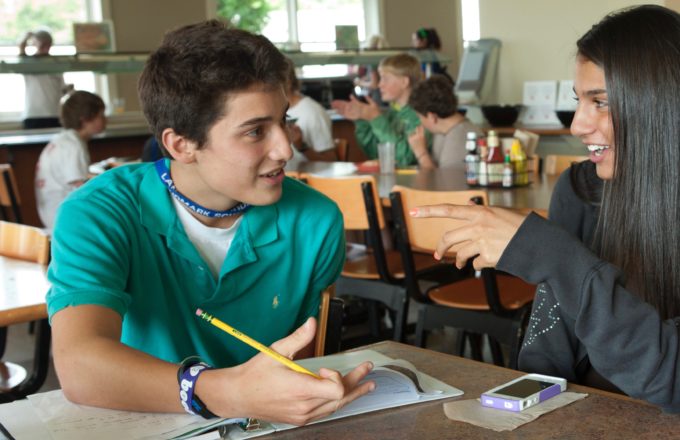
253 343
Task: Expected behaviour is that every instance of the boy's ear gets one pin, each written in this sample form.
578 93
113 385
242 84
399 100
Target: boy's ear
180 148
432 117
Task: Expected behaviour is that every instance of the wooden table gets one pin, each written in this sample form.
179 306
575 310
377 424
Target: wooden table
23 286
600 415
535 196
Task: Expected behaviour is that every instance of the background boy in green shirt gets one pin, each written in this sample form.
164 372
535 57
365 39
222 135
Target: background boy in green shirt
398 75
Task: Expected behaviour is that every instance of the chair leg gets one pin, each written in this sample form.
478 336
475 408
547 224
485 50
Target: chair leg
475 346
3 341
420 335
374 319
496 352
460 343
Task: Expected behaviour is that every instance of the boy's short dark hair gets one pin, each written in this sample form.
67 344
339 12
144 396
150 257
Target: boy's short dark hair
79 107
187 80
434 95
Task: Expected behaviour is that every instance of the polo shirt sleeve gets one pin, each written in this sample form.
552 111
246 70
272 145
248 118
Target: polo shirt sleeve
328 264
90 261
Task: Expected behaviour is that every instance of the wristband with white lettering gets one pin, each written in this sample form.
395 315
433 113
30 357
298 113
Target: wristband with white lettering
187 375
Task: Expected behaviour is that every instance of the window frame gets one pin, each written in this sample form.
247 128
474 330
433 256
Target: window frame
95 11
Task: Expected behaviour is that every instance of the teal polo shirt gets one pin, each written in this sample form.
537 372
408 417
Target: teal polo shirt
118 243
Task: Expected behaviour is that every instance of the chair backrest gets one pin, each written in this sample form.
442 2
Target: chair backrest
329 328
556 164
423 234
341 149
24 242
9 194
358 200
348 194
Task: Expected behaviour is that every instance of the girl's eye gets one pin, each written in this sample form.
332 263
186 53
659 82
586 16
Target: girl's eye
600 103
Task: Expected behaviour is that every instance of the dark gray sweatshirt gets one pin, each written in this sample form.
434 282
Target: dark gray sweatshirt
583 311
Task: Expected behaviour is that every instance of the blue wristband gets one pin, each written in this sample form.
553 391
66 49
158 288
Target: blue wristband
187 375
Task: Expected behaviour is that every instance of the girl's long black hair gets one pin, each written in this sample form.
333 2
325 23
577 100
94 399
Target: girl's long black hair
639 224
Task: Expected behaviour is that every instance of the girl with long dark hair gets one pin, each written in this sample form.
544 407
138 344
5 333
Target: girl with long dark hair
607 308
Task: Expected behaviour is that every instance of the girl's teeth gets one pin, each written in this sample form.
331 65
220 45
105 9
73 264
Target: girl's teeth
598 150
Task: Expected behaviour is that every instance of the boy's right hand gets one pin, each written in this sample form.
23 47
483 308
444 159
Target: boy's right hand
265 389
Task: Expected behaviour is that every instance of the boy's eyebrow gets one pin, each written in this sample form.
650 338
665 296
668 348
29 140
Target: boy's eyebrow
260 120
256 121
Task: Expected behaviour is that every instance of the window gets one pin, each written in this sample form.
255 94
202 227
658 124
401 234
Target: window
309 25
17 17
470 13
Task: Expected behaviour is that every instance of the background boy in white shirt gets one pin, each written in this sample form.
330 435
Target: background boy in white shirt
63 163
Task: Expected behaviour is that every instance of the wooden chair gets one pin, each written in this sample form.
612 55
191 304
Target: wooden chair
556 164
341 149
494 304
24 242
329 328
9 195
31 244
376 274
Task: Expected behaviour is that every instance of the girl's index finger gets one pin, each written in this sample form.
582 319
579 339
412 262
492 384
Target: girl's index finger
460 212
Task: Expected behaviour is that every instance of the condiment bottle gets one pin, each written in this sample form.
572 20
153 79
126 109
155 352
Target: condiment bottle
482 171
507 172
519 161
471 159
494 160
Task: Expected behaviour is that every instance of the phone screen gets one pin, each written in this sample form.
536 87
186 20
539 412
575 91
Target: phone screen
524 388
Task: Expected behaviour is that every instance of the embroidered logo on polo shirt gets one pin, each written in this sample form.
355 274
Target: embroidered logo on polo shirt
275 302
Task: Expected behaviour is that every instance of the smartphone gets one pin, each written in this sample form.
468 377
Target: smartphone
524 392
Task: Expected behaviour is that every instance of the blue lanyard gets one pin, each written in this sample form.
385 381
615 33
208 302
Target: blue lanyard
164 174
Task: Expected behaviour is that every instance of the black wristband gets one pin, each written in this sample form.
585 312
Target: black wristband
196 405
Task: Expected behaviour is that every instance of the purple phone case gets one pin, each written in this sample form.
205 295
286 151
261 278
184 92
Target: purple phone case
513 405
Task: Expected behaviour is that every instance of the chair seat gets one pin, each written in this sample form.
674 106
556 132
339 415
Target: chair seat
364 266
470 294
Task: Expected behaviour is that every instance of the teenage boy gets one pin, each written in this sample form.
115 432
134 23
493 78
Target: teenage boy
218 227
437 108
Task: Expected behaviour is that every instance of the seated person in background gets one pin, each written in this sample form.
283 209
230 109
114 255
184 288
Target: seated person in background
398 75
42 91
437 108
367 76
63 163
428 38
311 133
151 151
217 225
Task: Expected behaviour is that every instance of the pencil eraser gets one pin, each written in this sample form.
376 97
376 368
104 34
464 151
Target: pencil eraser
199 312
